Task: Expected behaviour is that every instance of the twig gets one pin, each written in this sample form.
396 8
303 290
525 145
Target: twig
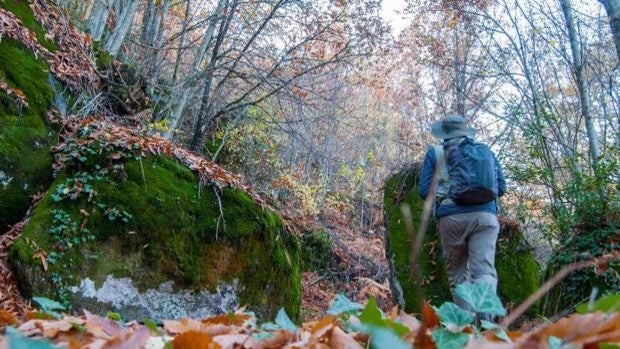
418 239
219 203
142 170
552 282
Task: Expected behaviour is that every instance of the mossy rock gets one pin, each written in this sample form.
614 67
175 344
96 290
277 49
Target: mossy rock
578 286
25 139
158 236
317 251
517 269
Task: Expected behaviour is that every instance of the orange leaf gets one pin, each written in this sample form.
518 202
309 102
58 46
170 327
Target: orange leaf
7 319
227 319
423 339
41 255
339 339
581 329
194 340
429 316
322 328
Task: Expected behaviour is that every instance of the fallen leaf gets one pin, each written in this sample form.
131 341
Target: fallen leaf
430 319
227 319
340 340
8 319
43 257
194 340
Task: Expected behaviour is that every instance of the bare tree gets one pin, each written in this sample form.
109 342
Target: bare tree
123 24
613 12
582 84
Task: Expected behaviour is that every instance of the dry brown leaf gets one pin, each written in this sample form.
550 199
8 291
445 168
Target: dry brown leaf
430 318
227 319
194 340
409 321
321 329
43 257
579 329
340 340
52 328
421 339
280 339
234 339
130 339
184 325
8 319
101 327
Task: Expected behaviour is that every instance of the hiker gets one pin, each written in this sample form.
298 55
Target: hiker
469 182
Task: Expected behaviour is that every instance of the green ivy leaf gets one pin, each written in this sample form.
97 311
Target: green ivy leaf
262 335
450 313
285 322
382 337
606 304
49 306
481 297
113 316
554 342
445 339
16 340
342 304
372 315
152 326
501 334
488 325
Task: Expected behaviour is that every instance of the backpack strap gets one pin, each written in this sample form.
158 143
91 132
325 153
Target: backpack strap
440 164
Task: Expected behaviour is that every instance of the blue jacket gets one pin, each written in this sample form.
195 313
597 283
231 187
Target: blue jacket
426 178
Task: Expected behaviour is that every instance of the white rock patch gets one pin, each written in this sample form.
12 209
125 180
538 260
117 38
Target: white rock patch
162 303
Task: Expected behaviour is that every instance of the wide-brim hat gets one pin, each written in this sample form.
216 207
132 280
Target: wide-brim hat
451 127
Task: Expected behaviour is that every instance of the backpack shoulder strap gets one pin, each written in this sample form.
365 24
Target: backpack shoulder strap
440 164
440 160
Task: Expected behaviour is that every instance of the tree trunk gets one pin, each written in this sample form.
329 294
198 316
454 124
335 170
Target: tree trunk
98 19
179 108
158 40
582 86
123 24
146 21
180 50
613 12
205 105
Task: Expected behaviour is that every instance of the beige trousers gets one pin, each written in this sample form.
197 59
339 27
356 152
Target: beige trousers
468 243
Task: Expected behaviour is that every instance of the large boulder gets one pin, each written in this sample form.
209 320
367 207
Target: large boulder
518 270
25 140
139 237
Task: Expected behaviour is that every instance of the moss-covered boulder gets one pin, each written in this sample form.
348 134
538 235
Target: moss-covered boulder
141 238
518 270
25 140
581 285
316 251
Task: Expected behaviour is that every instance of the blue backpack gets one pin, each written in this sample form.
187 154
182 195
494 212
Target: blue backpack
470 171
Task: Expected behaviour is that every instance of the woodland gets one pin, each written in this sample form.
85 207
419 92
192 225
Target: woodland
244 173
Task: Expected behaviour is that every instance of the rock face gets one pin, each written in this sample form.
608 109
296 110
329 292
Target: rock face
143 240
518 270
25 140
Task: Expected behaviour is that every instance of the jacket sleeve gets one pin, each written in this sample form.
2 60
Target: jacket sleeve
426 177
501 182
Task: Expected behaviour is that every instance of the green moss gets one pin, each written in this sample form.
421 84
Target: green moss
517 269
401 189
316 251
24 138
174 235
21 9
